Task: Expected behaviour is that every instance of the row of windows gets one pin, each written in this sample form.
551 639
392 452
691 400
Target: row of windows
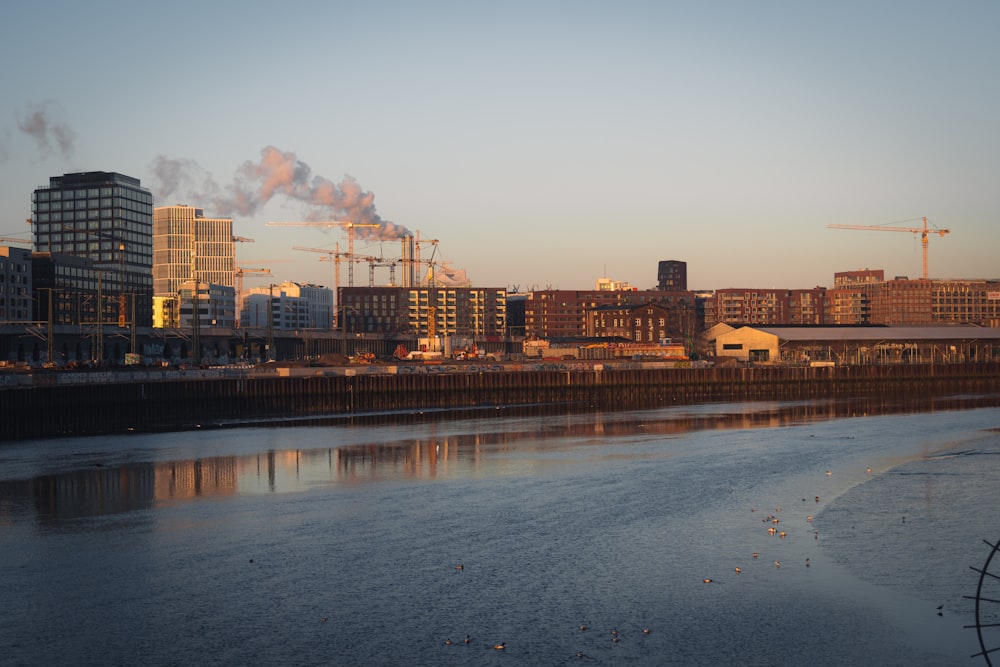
55 195
107 215
109 225
14 267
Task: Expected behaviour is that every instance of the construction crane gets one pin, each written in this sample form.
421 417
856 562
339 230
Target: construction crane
382 262
430 262
11 239
242 239
331 256
330 224
924 232
240 272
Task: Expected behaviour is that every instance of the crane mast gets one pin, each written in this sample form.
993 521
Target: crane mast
240 272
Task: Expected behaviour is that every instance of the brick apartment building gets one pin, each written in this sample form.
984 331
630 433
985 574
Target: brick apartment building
564 313
641 323
861 297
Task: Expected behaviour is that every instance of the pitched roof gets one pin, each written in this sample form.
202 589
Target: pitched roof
903 333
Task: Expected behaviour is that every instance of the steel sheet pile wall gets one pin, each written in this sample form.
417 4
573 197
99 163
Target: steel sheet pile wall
53 410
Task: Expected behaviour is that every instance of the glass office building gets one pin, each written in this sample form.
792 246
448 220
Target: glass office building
107 219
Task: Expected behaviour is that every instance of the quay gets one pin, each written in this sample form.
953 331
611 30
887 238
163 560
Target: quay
69 404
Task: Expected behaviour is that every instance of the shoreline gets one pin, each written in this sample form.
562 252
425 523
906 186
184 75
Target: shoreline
59 410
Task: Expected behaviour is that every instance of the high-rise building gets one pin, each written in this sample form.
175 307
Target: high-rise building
189 246
107 219
671 275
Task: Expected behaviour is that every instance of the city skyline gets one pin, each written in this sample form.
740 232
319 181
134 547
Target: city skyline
543 147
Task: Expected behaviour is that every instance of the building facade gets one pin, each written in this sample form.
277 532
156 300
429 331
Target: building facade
747 306
189 246
807 306
563 313
643 323
289 306
847 305
213 305
16 282
671 275
107 218
424 311
966 302
72 289
901 301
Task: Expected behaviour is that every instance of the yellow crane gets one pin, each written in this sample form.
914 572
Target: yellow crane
924 232
330 224
240 272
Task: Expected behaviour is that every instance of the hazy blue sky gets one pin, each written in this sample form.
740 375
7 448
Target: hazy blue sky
544 143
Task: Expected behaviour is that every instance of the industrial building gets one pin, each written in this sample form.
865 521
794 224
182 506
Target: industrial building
852 345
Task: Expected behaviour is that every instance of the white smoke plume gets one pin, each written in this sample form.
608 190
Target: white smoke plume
49 134
277 174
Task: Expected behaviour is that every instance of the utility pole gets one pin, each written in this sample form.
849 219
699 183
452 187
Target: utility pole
132 342
195 326
270 322
51 334
100 317
122 319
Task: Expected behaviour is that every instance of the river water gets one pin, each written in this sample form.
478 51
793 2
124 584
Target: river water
392 544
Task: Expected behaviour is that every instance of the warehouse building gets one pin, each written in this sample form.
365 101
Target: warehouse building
858 345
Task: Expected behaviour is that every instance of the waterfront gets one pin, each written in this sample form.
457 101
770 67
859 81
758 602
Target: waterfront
233 546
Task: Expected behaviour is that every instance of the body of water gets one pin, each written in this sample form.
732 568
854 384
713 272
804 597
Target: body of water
737 534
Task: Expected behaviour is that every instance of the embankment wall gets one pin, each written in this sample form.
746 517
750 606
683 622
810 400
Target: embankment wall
116 407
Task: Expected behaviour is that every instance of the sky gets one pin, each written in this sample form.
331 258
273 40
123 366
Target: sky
542 144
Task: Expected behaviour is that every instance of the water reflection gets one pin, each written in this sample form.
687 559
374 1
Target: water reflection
487 450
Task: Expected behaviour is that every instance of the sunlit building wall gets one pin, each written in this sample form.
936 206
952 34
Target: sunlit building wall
189 246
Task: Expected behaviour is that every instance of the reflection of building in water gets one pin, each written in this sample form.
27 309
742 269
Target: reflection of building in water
92 492
424 458
176 480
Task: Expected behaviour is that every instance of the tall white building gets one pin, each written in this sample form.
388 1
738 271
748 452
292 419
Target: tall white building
189 246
